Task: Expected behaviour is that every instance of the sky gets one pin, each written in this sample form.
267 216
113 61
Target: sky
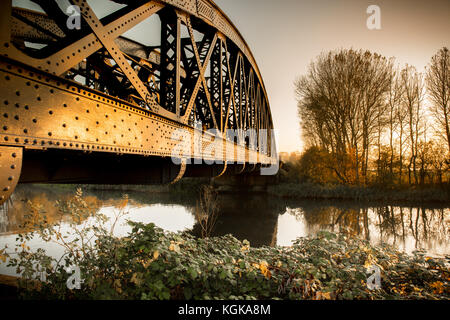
286 35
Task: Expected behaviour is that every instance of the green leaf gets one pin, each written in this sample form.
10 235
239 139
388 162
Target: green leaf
187 293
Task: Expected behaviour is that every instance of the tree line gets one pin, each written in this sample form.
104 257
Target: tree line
365 120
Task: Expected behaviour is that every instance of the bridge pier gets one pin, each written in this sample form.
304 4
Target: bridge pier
248 181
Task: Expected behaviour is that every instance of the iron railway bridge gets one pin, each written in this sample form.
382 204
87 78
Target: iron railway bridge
94 97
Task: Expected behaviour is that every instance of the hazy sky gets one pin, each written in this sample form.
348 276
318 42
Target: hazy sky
286 35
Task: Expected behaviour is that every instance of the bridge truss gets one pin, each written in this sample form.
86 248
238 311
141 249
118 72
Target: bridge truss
75 96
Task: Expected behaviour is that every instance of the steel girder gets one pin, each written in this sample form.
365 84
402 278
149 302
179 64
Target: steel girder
95 90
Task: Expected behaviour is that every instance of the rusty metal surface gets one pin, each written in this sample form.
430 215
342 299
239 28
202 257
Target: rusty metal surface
10 167
96 91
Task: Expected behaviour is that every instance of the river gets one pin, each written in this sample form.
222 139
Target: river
259 218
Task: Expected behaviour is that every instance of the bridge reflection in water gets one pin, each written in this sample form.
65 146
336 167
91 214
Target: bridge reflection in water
259 218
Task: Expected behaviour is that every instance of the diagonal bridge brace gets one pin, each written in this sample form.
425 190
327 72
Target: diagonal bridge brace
108 42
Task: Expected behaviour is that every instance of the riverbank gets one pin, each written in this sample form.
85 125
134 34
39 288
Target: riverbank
153 264
407 194
186 185
341 192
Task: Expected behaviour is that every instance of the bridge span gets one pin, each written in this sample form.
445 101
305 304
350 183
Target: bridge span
134 92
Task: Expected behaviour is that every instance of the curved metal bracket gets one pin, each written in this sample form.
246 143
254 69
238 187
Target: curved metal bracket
10 168
181 172
242 170
223 171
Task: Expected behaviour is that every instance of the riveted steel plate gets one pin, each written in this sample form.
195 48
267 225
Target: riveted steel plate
10 167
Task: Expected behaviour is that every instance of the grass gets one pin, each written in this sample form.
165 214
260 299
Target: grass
316 191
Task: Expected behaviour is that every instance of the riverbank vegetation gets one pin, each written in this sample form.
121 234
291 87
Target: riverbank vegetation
401 194
369 124
150 263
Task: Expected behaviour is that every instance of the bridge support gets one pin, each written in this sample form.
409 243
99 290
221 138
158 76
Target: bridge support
10 168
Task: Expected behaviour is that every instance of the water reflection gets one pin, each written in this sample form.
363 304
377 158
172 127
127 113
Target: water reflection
261 219
252 217
407 228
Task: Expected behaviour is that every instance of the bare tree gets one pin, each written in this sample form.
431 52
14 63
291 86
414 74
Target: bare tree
340 101
412 82
206 210
438 85
393 104
401 116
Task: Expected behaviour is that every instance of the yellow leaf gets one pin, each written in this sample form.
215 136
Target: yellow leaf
264 270
245 248
156 254
174 247
326 295
145 264
438 287
136 278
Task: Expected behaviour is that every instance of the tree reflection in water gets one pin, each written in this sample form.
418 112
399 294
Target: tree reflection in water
406 227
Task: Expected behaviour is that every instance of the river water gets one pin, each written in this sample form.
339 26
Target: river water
259 218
